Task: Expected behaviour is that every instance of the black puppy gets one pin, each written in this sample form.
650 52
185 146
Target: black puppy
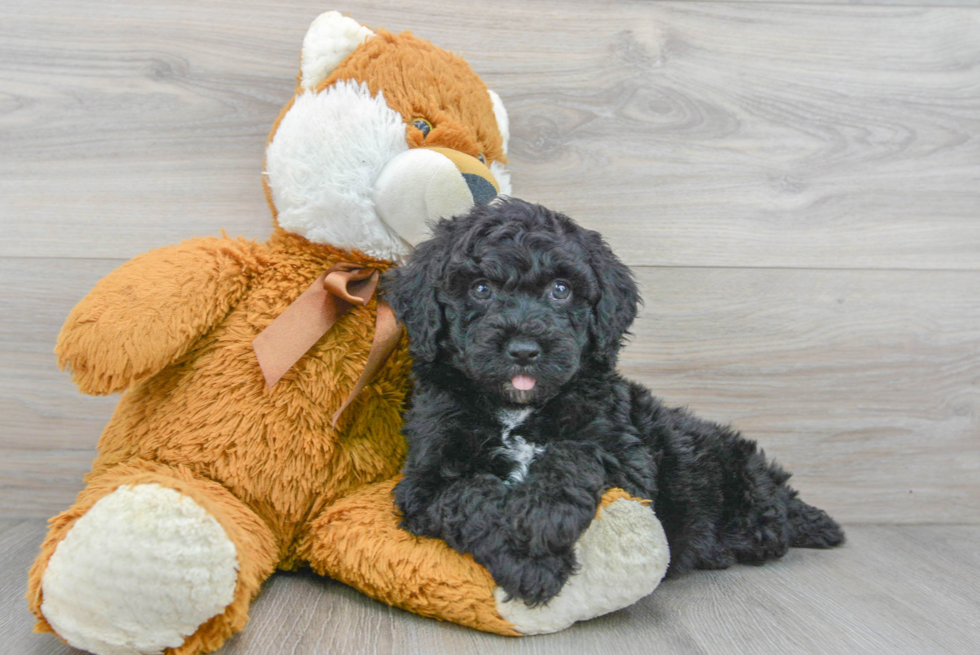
520 422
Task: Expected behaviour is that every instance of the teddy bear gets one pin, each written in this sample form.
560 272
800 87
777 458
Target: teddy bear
259 423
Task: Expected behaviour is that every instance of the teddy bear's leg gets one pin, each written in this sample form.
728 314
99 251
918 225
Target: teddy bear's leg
622 556
150 558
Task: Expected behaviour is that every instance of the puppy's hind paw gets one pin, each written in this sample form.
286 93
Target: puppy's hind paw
622 557
812 528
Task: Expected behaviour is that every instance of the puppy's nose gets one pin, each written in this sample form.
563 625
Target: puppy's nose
523 351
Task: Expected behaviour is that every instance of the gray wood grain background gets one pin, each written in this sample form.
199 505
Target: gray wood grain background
796 184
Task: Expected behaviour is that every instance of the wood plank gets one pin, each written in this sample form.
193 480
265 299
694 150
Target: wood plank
899 3
19 543
42 409
50 430
890 590
790 135
864 383
708 134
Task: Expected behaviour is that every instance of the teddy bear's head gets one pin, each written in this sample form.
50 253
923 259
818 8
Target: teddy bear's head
385 133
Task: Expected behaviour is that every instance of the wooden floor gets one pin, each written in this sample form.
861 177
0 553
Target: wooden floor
796 184
892 590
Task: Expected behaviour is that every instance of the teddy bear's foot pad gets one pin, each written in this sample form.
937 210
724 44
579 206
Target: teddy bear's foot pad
622 557
139 572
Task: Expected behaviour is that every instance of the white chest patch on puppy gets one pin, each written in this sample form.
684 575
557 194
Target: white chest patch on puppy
516 448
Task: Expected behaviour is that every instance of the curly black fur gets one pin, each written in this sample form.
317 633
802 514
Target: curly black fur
484 314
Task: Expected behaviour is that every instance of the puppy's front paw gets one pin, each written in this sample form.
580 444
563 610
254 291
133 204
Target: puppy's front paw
621 558
533 581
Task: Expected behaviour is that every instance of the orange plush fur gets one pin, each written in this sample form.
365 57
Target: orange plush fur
462 118
174 327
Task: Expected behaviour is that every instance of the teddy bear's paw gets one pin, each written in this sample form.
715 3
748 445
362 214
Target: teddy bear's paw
622 557
139 572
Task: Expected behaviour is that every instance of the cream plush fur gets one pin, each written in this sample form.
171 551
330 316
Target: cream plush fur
206 481
185 572
331 38
323 164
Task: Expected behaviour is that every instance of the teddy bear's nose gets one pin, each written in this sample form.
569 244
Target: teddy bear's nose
480 181
483 192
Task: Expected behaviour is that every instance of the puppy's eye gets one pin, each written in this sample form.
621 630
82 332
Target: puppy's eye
483 160
560 291
481 290
423 126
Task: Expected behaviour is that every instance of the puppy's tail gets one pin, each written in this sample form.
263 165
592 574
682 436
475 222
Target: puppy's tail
811 527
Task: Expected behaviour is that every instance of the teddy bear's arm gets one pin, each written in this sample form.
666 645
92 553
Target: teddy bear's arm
151 310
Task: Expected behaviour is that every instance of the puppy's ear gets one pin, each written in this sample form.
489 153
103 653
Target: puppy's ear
411 292
616 308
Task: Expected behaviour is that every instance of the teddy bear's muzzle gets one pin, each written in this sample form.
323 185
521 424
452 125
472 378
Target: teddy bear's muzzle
426 184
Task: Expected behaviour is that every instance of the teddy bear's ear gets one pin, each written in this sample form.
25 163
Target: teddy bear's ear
329 40
500 113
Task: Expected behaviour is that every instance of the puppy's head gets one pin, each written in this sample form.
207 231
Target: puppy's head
516 297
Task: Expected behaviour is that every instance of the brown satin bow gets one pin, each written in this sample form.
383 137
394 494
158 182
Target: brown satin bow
310 316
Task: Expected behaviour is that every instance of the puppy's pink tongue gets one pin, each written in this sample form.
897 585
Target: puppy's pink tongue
523 382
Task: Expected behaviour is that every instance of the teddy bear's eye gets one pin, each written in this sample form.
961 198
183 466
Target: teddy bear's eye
481 290
483 160
423 126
